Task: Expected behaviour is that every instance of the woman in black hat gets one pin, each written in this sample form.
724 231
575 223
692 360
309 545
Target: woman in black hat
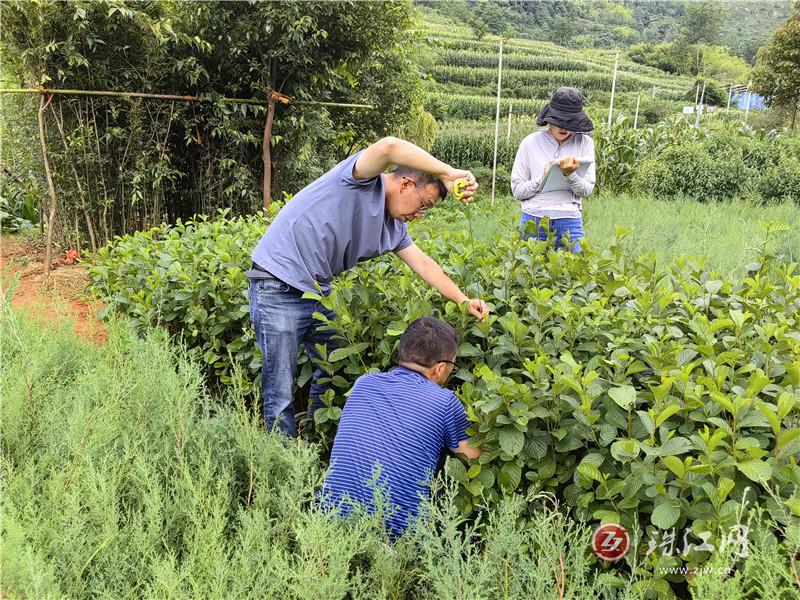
565 142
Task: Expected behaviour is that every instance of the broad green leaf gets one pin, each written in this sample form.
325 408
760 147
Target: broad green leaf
647 421
589 471
666 412
455 469
794 506
624 396
509 475
756 470
666 513
675 465
786 402
511 440
684 356
786 437
724 488
675 445
773 419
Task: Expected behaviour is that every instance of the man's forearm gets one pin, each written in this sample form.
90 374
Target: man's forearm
434 276
403 153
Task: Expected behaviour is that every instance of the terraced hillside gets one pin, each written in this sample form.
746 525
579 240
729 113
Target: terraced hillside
462 85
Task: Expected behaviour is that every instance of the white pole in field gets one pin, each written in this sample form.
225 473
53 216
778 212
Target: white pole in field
613 89
508 133
636 116
699 108
730 92
749 95
497 118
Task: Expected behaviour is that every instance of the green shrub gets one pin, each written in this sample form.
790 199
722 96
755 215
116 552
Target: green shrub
122 479
780 181
663 398
189 278
694 170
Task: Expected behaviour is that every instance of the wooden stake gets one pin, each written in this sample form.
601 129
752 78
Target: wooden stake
266 155
51 220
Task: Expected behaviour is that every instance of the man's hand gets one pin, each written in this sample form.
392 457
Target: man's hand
449 179
477 308
569 165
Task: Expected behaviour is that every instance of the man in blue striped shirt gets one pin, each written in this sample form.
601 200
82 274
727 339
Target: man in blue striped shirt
395 425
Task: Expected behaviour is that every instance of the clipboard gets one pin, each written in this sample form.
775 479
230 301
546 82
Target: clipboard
555 179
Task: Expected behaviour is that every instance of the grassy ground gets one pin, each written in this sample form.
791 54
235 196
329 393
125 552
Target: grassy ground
723 235
123 479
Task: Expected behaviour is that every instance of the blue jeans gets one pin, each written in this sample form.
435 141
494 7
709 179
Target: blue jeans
282 319
561 227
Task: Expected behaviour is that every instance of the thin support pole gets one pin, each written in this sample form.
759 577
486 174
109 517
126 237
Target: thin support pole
749 95
114 94
613 89
497 119
51 219
699 108
266 155
730 93
636 115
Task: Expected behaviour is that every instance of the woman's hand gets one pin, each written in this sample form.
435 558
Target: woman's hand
568 165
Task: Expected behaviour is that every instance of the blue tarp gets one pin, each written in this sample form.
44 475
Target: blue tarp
756 102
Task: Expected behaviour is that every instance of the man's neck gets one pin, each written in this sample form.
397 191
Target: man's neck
417 369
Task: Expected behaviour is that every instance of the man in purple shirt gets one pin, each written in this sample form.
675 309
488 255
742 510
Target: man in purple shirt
352 213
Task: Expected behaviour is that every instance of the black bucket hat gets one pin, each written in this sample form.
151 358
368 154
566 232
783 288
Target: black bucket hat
565 110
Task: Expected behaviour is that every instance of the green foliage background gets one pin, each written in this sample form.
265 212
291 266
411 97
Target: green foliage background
122 478
649 396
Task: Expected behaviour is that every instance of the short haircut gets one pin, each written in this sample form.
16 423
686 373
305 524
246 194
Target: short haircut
421 179
428 341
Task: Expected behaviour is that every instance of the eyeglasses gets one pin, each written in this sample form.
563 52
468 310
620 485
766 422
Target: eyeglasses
455 366
423 208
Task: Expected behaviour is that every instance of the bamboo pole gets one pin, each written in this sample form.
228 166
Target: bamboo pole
51 219
636 116
115 94
497 118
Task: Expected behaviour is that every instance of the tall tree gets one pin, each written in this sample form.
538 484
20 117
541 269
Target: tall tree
702 23
777 71
341 51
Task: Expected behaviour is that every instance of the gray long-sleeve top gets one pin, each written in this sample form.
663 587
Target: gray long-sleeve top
527 175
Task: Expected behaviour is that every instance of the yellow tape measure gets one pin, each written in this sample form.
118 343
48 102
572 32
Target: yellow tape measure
458 188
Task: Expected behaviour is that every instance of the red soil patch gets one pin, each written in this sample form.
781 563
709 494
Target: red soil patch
61 296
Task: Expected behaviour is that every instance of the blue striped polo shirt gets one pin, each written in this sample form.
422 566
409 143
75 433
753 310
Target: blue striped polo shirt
393 429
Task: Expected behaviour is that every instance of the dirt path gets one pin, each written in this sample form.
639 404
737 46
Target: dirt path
62 296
